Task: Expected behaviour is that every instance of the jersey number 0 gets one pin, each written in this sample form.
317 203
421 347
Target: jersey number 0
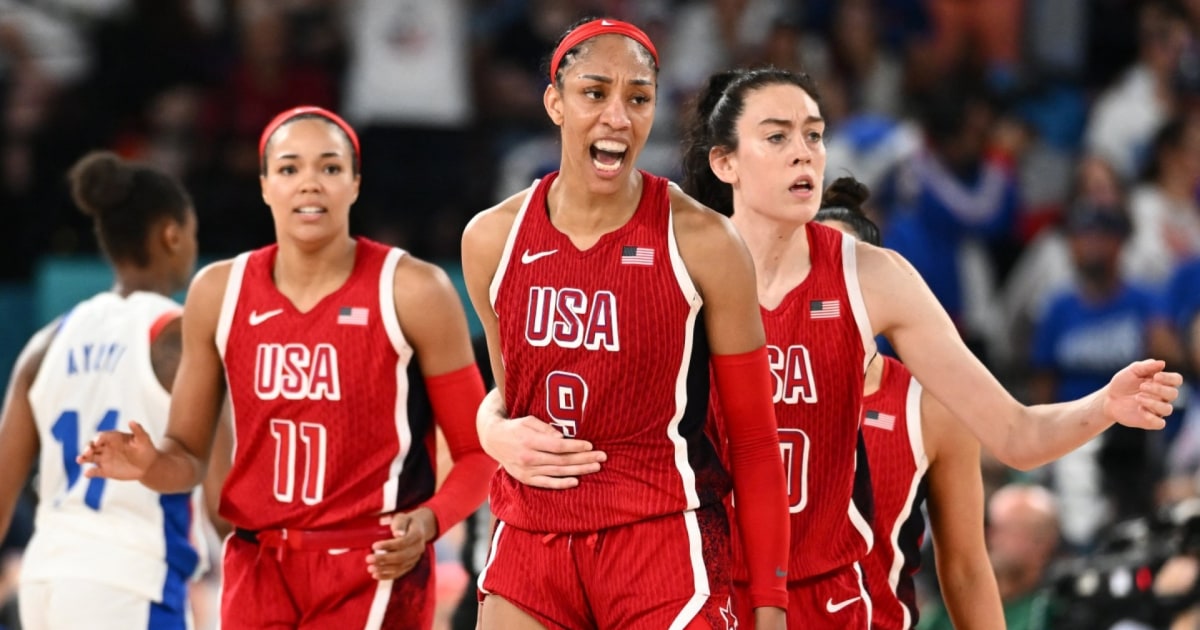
793 446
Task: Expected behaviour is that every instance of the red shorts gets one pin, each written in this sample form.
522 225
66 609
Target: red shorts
837 600
319 583
671 571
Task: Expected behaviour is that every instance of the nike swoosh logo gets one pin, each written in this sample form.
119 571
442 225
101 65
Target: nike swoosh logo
527 258
831 607
257 318
780 573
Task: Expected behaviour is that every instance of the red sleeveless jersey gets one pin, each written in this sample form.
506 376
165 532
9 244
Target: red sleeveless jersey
331 421
892 432
817 342
603 344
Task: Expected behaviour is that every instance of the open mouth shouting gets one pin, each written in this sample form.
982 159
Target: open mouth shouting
608 155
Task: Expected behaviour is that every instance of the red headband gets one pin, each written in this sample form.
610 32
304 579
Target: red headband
596 28
287 115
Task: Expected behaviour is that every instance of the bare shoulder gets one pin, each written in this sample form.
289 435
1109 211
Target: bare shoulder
29 362
208 287
698 227
879 266
892 288
417 281
487 231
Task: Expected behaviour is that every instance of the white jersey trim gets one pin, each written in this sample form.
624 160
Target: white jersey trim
404 352
699 573
495 549
688 289
912 412
859 521
233 288
858 305
681 272
866 595
502 266
379 605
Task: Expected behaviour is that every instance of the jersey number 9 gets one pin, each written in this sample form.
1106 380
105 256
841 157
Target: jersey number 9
566 398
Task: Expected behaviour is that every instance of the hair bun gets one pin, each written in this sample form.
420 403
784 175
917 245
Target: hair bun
100 181
846 192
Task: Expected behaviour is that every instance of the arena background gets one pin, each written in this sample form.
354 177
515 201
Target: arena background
990 131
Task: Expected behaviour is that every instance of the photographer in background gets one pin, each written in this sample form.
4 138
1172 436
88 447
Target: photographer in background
1023 540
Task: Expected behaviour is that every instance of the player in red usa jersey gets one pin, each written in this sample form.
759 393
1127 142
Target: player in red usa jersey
605 292
756 152
820 340
917 451
339 353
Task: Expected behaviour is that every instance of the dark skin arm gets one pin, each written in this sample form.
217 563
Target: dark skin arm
433 321
19 442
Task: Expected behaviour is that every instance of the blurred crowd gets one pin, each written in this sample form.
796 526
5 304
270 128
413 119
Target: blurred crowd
1038 161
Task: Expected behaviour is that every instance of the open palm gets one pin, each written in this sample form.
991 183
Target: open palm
119 455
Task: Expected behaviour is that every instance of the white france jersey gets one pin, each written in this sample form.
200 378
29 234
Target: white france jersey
97 376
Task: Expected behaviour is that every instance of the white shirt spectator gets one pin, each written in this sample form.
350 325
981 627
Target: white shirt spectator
409 64
1124 120
1165 233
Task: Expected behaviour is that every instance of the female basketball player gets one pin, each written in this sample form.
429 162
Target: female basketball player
603 290
334 349
756 150
916 449
107 555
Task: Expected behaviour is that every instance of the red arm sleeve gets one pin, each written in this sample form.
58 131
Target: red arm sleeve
744 386
455 398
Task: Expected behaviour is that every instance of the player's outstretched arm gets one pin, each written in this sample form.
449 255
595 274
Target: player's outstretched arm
956 512
180 463
903 308
18 430
723 272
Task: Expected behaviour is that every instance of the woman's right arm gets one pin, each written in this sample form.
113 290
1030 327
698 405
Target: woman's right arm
196 398
902 307
529 449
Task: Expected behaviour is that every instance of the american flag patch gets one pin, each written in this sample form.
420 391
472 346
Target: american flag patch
643 256
352 316
824 309
880 420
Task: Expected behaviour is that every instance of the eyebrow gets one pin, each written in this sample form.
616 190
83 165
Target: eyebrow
599 78
296 156
811 120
